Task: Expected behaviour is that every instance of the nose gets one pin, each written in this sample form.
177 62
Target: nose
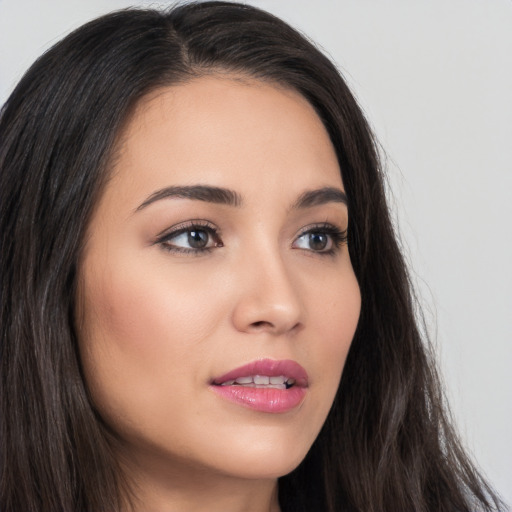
268 300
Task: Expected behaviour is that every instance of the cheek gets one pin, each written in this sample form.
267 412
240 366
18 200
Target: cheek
338 316
342 316
334 307
334 310
143 334
342 330
147 308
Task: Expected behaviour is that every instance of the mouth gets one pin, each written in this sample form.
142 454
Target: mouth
264 385
262 382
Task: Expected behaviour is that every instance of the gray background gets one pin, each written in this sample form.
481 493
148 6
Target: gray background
435 79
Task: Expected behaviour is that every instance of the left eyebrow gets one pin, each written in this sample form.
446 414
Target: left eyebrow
319 197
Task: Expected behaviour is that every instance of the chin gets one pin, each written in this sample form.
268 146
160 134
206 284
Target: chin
263 458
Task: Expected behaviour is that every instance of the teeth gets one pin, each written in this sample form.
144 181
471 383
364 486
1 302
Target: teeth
265 386
262 381
244 380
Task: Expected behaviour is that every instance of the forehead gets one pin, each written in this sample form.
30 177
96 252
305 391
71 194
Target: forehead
242 133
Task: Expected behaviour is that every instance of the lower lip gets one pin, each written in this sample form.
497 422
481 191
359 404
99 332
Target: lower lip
261 399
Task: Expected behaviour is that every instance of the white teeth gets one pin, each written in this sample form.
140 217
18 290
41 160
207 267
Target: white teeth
265 386
244 380
262 381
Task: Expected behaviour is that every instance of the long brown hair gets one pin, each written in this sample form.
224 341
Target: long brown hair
387 444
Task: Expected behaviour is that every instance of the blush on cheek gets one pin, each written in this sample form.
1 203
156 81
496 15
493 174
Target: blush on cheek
128 315
149 317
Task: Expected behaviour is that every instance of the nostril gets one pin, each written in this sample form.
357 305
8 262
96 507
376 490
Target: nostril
261 323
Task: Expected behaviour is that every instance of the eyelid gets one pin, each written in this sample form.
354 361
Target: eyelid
168 234
326 226
338 236
184 226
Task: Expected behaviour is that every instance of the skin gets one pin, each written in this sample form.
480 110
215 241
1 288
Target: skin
157 324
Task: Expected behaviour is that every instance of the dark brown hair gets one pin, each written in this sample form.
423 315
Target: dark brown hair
387 444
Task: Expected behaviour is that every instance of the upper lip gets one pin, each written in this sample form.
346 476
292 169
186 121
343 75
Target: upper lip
269 367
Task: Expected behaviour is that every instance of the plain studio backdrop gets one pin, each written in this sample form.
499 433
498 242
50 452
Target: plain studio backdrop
435 80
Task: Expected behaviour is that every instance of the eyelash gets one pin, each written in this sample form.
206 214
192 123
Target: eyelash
187 227
338 237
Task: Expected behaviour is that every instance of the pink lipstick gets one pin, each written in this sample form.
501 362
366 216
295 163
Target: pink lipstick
264 385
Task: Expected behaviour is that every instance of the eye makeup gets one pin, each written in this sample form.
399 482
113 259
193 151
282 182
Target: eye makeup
201 236
198 237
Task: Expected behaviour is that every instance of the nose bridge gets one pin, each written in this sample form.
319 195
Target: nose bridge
268 299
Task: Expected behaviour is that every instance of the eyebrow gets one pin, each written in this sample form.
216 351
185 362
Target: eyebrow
320 196
219 195
206 193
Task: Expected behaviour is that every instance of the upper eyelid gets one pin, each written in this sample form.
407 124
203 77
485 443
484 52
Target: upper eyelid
318 226
165 238
187 226
332 230
215 232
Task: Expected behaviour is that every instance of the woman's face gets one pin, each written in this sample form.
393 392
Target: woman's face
217 253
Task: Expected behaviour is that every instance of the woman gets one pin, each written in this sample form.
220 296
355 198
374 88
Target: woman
203 303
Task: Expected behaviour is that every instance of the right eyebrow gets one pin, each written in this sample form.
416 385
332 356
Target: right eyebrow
320 196
206 193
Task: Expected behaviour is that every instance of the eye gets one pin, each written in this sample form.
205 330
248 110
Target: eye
314 242
192 237
323 238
